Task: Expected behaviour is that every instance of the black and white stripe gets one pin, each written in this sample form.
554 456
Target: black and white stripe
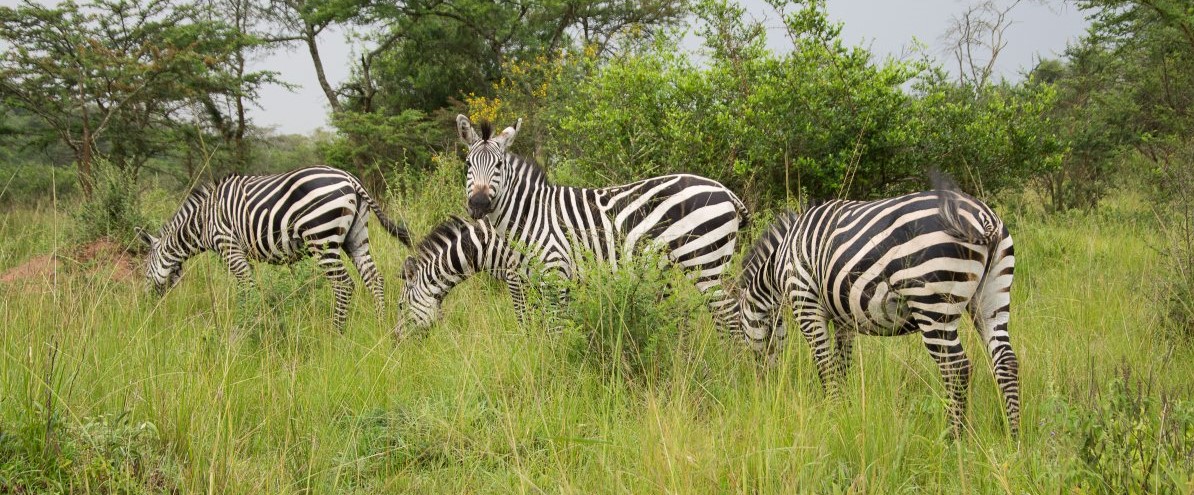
451 253
911 264
693 218
278 219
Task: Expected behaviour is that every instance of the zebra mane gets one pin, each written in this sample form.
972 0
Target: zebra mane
765 244
452 227
536 172
202 190
486 128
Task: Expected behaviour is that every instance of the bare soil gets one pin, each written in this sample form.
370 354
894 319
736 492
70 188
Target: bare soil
102 258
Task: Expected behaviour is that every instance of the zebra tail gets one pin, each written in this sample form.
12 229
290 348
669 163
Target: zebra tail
395 229
744 212
950 205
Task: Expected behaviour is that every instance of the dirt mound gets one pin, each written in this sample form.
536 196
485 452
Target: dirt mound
102 258
38 267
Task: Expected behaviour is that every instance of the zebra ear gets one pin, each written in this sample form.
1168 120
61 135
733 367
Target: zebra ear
408 268
506 138
145 236
465 127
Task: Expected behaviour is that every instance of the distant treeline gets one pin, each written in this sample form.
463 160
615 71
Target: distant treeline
606 92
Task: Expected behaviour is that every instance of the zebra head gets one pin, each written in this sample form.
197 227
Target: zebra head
443 259
160 271
760 292
486 164
420 302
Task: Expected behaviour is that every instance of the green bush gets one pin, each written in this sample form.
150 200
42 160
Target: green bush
113 211
628 322
1132 439
300 288
427 198
108 453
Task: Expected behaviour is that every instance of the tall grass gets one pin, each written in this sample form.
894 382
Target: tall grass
105 388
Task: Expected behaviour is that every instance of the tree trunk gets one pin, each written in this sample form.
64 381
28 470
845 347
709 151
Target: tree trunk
83 154
313 47
239 144
83 162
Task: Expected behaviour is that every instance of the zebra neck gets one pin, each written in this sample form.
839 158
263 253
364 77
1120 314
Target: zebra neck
528 197
499 257
187 239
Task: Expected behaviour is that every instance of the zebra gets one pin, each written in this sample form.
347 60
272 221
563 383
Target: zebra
455 250
279 219
695 219
890 267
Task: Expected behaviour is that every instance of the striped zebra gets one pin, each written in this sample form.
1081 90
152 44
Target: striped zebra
453 251
896 266
278 219
694 218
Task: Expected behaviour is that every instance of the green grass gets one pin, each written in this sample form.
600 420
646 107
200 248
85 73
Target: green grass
106 388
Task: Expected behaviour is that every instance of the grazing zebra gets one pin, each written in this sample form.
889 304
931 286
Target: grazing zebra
890 267
279 219
452 252
694 218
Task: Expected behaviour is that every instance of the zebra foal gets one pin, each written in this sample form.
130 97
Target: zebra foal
278 219
910 264
455 250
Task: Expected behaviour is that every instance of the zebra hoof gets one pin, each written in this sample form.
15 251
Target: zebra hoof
400 335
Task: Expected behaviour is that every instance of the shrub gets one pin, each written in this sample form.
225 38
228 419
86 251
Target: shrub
113 211
1174 195
292 290
108 453
628 322
1132 440
434 195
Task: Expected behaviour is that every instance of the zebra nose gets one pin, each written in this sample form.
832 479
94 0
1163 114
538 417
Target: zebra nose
478 205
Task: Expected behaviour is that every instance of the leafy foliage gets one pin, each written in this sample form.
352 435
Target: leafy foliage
627 322
1131 441
108 77
823 120
111 453
114 210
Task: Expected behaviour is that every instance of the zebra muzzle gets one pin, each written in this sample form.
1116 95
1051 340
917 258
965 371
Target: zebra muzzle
479 205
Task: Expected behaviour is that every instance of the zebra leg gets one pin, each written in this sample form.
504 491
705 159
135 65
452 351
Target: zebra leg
815 328
844 337
238 264
723 306
779 335
991 310
939 331
337 274
357 245
234 257
518 295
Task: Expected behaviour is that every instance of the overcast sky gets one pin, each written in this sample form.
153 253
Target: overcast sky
886 27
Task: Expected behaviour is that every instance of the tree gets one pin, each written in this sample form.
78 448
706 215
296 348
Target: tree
122 67
303 21
419 58
976 37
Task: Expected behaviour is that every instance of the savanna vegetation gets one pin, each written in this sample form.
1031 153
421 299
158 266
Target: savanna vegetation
110 110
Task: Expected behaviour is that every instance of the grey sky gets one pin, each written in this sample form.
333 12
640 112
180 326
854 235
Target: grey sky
887 28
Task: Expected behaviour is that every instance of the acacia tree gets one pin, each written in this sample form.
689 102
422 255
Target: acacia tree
127 68
976 37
